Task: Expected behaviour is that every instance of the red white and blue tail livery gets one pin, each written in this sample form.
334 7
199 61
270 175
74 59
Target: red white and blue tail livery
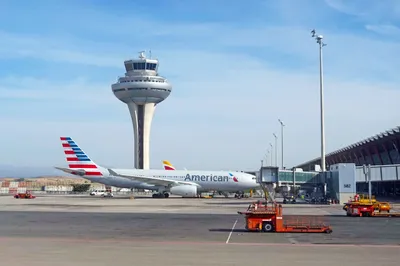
78 162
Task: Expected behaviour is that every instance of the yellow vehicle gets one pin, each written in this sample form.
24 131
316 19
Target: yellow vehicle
383 206
364 200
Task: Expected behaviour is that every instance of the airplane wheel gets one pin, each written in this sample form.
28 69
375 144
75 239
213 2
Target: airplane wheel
166 195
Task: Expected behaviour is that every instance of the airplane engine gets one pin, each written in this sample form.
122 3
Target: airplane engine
184 190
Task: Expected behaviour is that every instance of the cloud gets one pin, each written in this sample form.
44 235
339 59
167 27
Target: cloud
368 10
48 49
384 29
230 85
226 121
355 7
31 88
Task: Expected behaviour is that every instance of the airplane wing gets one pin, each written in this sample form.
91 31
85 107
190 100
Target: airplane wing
155 180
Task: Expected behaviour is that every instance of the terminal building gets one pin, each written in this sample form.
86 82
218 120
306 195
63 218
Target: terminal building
379 151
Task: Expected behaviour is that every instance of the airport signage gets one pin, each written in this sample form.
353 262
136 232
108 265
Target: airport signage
347 185
206 178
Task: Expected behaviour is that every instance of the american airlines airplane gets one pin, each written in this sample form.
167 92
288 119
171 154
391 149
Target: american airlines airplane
178 182
168 166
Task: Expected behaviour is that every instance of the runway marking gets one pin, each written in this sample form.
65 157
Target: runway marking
230 234
291 239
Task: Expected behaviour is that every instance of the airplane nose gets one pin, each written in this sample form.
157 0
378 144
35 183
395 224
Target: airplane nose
252 183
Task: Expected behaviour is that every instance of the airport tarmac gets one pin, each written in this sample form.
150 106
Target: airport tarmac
120 204
99 237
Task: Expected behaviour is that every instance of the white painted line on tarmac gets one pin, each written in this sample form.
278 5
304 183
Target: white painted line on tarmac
291 239
233 227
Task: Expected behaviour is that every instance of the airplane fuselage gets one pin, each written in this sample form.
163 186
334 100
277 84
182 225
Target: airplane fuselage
208 180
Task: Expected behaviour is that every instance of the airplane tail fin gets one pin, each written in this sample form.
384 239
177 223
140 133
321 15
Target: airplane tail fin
168 166
78 162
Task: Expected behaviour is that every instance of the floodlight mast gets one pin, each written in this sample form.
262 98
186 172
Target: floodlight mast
321 44
282 125
272 150
276 149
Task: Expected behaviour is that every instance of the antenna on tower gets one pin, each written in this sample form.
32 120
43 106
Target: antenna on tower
142 55
150 53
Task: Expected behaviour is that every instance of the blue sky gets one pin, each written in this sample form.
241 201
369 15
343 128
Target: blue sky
235 66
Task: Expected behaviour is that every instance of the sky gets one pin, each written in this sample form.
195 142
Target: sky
236 67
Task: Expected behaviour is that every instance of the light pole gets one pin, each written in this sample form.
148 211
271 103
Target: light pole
266 157
282 125
319 38
272 149
276 149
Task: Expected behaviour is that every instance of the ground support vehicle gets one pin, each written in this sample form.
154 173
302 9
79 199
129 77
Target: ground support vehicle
368 210
289 199
108 195
377 206
263 218
26 195
363 200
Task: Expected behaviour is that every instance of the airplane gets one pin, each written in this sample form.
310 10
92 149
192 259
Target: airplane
178 182
168 166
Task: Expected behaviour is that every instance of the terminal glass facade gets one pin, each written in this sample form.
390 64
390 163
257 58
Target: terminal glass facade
300 177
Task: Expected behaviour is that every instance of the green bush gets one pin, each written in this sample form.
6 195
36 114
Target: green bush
80 187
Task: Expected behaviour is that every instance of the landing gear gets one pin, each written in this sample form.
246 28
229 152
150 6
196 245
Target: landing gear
239 195
161 195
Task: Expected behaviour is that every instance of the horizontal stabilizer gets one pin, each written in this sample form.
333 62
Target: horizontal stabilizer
80 172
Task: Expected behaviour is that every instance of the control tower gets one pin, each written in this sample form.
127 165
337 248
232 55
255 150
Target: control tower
141 89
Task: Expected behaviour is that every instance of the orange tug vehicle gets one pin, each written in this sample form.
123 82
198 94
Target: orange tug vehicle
263 218
26 195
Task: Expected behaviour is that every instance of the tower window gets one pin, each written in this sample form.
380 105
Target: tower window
128 67
151 66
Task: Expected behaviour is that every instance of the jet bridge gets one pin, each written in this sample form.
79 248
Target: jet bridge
268 179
